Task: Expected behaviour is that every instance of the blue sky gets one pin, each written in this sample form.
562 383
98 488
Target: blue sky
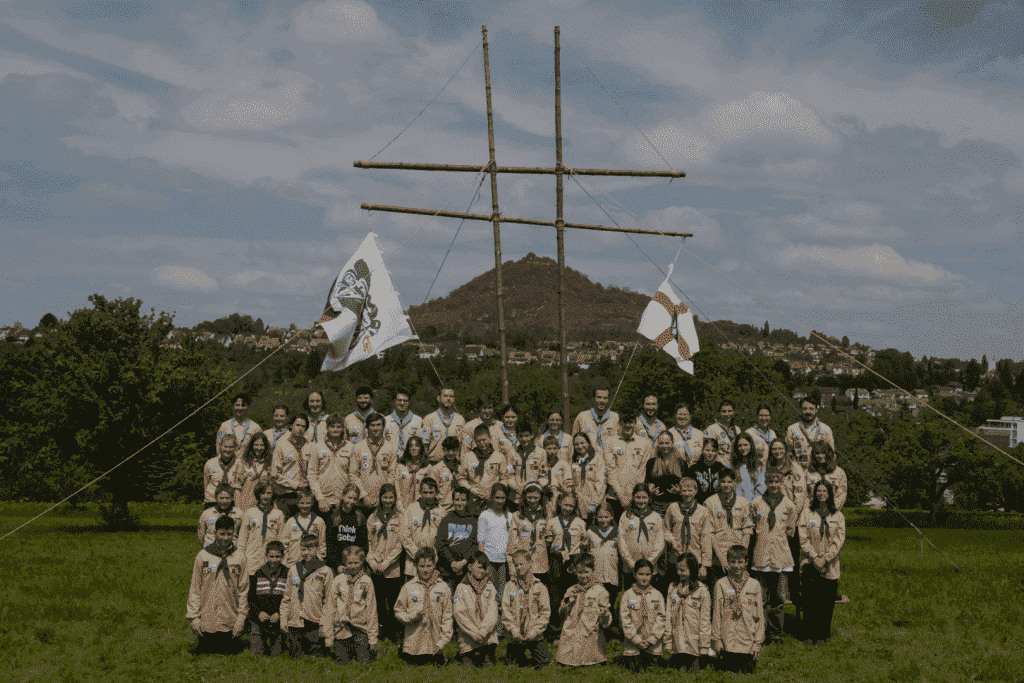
857 166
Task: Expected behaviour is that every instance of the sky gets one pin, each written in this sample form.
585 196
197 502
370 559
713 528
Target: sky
850 168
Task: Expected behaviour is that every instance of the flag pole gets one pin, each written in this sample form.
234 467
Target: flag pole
560 232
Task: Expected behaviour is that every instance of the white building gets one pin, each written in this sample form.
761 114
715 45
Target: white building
1011 427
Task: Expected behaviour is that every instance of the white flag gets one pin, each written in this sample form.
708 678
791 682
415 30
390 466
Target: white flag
363 315
669 324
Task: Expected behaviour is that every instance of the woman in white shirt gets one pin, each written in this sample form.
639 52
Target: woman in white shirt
492 535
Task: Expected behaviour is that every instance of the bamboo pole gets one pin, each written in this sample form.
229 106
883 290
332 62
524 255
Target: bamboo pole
497 226
563 352
537 170
509 219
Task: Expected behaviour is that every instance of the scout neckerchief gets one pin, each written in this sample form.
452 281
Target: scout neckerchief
771 510
824 527
316 424
374 450
643 524
305 529
266 518
566 535
277 435
727 437
652 432
512 439
362 420
447 423
727 504
478 590
426 511
304 571
234 426
352 581
686 523
810 434
401 423
644 610
384 518
737 605
560 437
583 462
610 535
766 437
599 423
532 516
215 550
525 583
481 461
686 441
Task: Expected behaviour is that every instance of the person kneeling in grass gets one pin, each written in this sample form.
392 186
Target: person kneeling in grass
218 594
349 621
476 613
525 613
303 603
642 613
425 607
737 627
585 613
267 586
689 617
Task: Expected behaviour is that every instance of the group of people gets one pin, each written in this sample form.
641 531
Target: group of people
336 530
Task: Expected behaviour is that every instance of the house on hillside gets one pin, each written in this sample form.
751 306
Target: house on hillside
429 352
862 394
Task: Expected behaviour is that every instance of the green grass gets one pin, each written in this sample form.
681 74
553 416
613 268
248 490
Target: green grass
109 606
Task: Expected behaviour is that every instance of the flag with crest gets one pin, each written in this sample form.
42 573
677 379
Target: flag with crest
667 322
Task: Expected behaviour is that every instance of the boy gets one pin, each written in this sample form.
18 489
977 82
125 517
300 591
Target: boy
525 613
327 469
688 528
642 614
267 586
225 505
775 519
420 523
304 522
482 467
446 472
730 524
303 604
260 525
476 612
626 457
349 621
723 431
456 539
425 607
525 464
215 471
373 462
737 624
586 612
217 596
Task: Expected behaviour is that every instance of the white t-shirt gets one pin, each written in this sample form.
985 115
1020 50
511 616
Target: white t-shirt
493 533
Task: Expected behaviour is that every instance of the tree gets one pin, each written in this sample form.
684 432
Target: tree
972 374
48 322
984 363
765 332
846 342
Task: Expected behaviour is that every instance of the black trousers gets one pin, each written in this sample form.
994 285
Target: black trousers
559 582
795 580
515 653
215 643
819 603
355 647
642 660
481 657
305 640
265 638
692 663
386 592
773 595
419 660
737 662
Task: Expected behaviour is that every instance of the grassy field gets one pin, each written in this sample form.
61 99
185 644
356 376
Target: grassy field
82 605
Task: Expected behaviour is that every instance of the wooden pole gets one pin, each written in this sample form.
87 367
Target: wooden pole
535 170
497 226
560 234
510 219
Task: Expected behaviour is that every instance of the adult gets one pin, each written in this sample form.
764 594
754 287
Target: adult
724 431
288 466
355 422
599 419
316 410
251 470
762 433
554 429
482 468
239 424
589 475
485 417
625 457
794 487
748 468
442 423
663 473
508 437
217 469
648 425
802 434
327 468
687 440
372 462
279 425
402 422
822 535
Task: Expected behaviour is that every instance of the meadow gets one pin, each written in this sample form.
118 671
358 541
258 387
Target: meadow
82 604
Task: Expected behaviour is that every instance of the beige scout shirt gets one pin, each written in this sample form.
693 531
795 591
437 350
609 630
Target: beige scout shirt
636 630
218 599
742 634
251 538
327 470
215 473
584 615
310 605
291 535
288 466
530 536
243 431
771 552
698 541
689 620
385 540
800 436
596 426
525 610
814 543
205 529
419 530
605 549
839 484
625 462
350 605
355 426
426 612
725 437
475 630
761 442
689 443
634 543
577 531
371 470
435 428
590 481
244 478
722 534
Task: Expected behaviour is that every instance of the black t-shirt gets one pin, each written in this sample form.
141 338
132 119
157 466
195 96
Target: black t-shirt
661 502
707 478
350 530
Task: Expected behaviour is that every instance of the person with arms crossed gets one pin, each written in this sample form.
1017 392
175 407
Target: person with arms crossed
442 423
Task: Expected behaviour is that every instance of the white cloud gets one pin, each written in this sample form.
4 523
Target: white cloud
672 141
338 22
1013 181
707 233
183 278
875 261
765 113
250 106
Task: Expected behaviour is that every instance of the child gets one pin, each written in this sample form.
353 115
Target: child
641 534
822 535
267 586
305 521
642 613
494 525
476 612
425 607
688 528
251 470
524 451
288 467
348 527
225 505
775 522
564 533
529 529
482 467
602 543
525 613
707 471
218 595
303 604
411 469
588 475
585 612
737 627
456 539
217 469
420 523
731 525
349 621
328 464
688 634
446 472
823 467
555 475
261 525
794 487
384 531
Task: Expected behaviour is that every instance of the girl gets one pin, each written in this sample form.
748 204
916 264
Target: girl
384 559
775 521
492 535
347 527
529 530
251 470
554 430
642 613
585 612
588 475
663 473
823 467
794 487
748 469
565 531
260 525
602 542
288 466
822 535
412 467
688 635
641 534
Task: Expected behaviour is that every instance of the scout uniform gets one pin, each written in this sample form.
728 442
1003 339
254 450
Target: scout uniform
596 426
625 462
303 605
640 538
419 530
446 480
207 520
370 470
649 430
821 537
730 525
525 613
836 477
476 613
604 547
316 432
243 431
761 442
590 482
528 532
349 619
244 478
426 611
435 428
479 476
689 443
564 444
215 472
355 425
689 620
689 530
288 468
725 436
399 430
642 615
799 438
274 435
407 484
586 612
218 595
327 470
293 530
738 617
259 527
773 558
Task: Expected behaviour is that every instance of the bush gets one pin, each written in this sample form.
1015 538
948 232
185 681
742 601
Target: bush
946 519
